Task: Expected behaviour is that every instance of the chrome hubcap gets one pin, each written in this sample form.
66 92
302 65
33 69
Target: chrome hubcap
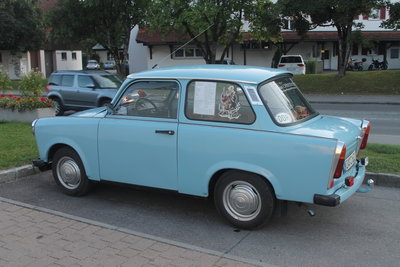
242 201
68 173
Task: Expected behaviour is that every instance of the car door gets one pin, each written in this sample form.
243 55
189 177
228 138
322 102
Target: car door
138 140
87 92
67 89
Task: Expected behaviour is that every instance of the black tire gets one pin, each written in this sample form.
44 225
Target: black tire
104 102
69 173
233 188
59 108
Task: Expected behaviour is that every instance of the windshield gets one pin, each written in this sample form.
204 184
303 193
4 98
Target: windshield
284 101
108 81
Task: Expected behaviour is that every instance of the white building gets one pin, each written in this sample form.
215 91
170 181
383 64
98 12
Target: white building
148 49
17 64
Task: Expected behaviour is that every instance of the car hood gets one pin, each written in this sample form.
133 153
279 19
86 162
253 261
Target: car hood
343 129
95 112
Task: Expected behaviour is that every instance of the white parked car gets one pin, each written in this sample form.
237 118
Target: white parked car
292 63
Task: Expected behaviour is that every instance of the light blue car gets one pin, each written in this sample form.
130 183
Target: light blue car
244 136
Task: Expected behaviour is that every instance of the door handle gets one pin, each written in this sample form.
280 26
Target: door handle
169 132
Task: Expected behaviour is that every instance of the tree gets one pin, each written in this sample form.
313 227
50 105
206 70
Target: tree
210 23
394 21
21 25
308 14
106 22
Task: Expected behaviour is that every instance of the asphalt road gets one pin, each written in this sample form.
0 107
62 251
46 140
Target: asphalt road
363 231
385 119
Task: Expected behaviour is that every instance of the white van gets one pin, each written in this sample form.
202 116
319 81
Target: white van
292 63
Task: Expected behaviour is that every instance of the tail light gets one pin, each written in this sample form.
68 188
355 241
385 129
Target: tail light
365 128
281 65
300 65
337 164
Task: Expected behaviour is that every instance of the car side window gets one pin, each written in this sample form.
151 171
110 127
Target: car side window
149 99
218 101
85 81
67 80
55 80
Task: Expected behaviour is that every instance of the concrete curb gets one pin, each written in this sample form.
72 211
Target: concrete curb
11 175
384 179
14 174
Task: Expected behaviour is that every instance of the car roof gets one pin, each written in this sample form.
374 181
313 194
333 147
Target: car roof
238 73
82 72
291 56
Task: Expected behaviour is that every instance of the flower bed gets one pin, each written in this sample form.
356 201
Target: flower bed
25 109
24 103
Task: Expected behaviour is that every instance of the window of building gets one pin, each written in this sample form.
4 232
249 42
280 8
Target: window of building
73 55
316 51
109 57
63 55
394 53
375 14
364 51
218 101
188 52
287 24
354 50
157 99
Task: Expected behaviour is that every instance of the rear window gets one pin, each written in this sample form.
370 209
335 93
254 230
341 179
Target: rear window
107 81
291 59
285 103
55 79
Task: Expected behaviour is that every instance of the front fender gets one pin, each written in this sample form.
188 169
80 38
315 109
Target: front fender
80 134
87 160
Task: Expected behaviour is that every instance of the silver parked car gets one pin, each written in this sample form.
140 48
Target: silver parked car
79 90
93 65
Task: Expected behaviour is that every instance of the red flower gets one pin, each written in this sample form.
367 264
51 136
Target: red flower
42 99
49 104
2 96
10 95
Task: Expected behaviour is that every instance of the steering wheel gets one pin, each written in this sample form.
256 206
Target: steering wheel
145 106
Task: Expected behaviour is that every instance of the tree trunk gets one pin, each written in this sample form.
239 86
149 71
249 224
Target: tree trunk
344 34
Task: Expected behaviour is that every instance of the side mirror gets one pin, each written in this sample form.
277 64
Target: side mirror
90 85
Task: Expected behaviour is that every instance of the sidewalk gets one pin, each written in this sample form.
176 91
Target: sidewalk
29 237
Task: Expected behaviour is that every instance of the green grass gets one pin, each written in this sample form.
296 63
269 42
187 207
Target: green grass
355 82
18 147
17 144
382 158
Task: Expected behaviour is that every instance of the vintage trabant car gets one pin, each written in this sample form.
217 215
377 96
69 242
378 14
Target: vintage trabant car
244 136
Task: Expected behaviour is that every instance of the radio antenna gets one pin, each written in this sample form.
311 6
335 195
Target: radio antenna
183 45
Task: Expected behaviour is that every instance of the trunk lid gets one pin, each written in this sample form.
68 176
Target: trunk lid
343 129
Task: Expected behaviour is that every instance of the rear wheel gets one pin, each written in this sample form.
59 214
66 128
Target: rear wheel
104 102
246 200
59 108
69 173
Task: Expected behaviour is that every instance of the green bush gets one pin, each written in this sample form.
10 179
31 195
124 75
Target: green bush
5 82
311 66
32 85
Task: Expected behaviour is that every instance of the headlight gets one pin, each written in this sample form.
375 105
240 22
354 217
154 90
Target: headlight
33 126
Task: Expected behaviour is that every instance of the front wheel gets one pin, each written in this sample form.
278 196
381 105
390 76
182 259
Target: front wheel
246 200
69 173
59 108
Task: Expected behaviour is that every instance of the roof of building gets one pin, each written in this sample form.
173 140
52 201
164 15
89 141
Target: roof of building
156 38
237 73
